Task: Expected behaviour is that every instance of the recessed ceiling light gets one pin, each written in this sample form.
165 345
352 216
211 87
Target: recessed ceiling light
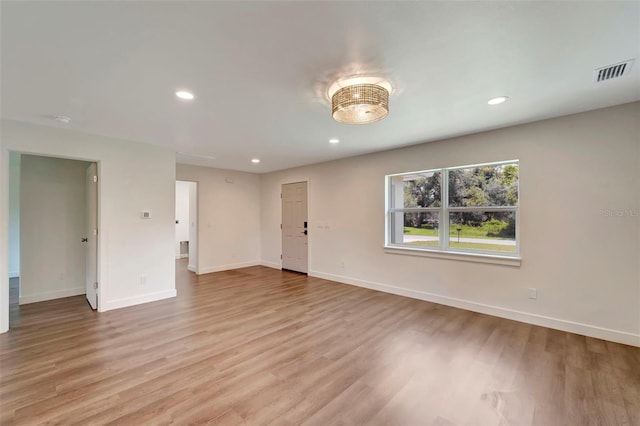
62 119
498 100
185 95
334 141
255 160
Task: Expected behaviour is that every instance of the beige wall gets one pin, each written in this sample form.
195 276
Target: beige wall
52 225
576 174
580 220
228 217
133 177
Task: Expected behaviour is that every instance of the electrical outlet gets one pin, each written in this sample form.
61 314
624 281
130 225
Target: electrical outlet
143 279
533 293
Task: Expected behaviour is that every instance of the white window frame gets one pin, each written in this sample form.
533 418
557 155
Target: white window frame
443 250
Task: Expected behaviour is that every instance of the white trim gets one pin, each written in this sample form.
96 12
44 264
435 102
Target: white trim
534 319
455 255
444 234
273 265
14 274
182 256
310 218
309 234
192 268
51 295
444 211
210 269
437 169
137 300
492 163
473 209
4 238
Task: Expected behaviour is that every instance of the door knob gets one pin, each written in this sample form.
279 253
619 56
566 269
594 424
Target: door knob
304 232
85 239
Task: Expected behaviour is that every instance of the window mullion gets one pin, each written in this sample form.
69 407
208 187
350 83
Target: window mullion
444 212
414 209
483 209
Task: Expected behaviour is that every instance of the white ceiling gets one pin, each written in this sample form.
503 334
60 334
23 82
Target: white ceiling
260 70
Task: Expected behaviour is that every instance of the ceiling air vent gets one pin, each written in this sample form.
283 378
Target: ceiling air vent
612 71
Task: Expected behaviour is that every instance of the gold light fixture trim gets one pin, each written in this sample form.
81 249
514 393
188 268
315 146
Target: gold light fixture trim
360 100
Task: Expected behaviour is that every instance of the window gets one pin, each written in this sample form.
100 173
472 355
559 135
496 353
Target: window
470 209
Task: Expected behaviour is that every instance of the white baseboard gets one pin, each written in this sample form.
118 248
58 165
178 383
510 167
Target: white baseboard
209 269
555 323
50 295
136 300
14 274
192 268
273 265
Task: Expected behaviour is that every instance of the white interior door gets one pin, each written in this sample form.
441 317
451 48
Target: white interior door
294 227
91 235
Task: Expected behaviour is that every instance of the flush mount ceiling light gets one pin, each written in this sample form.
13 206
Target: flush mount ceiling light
359 100
334 141
182 94
255 160
498 100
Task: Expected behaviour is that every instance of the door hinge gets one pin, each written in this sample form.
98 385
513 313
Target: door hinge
280 226
95 178
95 286
95 231
281 195
280 257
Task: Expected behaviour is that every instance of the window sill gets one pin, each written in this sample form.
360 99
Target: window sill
452 255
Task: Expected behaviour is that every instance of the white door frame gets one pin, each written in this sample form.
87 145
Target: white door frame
92 236
305 180
4 227
193 265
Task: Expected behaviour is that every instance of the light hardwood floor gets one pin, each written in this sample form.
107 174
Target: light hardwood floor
261 346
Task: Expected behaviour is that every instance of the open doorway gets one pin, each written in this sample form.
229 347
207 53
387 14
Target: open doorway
49 207
186 239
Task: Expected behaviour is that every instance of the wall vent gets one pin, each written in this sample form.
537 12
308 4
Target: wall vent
611 71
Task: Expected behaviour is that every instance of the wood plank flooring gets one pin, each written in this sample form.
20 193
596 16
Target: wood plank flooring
258 346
